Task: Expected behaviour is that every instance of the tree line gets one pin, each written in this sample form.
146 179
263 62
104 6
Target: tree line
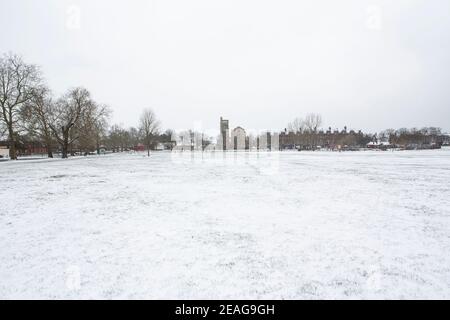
306 133
414 136
73 121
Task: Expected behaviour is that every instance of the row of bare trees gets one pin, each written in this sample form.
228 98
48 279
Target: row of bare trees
18 84
405 136
150 127
120 139
71 122
304 130
306 133
310 123
28 108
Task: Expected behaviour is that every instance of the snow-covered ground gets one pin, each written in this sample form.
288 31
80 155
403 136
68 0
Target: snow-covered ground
261 225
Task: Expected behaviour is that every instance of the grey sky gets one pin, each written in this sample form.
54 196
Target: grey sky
366 64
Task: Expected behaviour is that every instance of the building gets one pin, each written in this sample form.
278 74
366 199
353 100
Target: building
4 152
381 145
139 147
34 148
224 132
330 139
239 139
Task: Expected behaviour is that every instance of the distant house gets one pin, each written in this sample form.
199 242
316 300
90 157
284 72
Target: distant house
169 145
384 145
4 152
446 140
139 147
27 148
224 127
35 148
372 145
238 138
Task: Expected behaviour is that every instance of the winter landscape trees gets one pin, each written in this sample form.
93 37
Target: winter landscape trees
66 116
76 117
74 123
306 134
28 109
36 116
149 127
18 82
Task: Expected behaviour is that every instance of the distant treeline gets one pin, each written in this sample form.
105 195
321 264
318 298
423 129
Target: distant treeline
405 137
306 137
33 121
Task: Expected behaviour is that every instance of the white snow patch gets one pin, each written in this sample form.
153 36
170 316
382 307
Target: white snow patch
284 225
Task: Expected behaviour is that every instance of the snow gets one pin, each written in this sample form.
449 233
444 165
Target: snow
289 225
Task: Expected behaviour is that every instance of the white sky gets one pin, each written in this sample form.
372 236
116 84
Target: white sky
369 65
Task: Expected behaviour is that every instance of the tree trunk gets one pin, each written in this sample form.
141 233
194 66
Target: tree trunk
64 151
49 147
12 146
65 147
148 143
12 151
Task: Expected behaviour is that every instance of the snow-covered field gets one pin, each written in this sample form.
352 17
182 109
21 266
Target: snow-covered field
261 225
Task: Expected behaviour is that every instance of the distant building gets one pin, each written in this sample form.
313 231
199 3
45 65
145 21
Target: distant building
446 139
330 139
35 148
24 147
139 147
4 152
224 133
238 138
381 145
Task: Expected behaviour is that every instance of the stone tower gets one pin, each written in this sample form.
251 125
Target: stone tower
224 127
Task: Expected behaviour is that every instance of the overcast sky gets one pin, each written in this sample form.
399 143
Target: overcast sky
369 65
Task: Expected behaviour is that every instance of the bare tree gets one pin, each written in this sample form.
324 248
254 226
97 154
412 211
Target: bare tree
37 115
103 114
3 130
133 137
312 122
149 127
115 138
120 139
169 134
18 81
389 135
66 115
92 126
296 126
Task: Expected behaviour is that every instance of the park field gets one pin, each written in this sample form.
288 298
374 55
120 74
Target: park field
240 225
